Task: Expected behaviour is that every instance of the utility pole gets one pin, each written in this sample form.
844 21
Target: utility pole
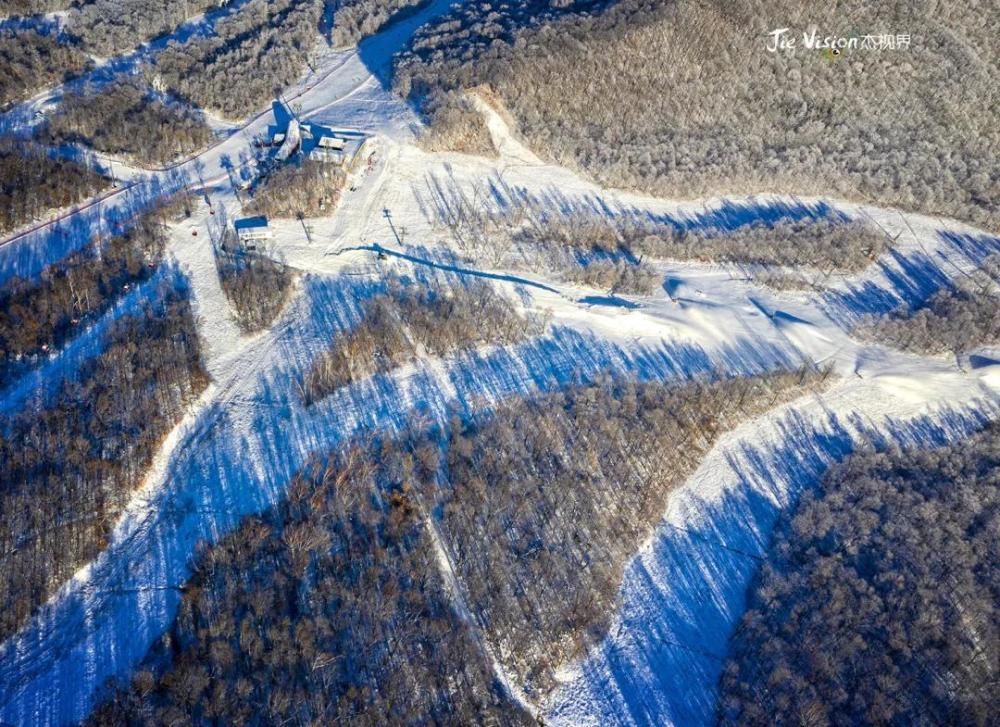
388 218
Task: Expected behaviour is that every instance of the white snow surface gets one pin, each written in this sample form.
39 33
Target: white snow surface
239 445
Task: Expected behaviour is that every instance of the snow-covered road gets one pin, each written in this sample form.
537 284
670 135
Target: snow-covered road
345 89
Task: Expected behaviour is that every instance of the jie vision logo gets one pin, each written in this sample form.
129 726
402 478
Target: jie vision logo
784 40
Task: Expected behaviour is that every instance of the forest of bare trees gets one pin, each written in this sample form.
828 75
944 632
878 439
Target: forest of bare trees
126 118
587 246
683 100
33 7
38 315
824 243
110 27
879 602
411 318
357 19
582 248
69 462
30 60
337 606
256 284
33 182
328 609
299 188
253 55
456 125
954 320
547 499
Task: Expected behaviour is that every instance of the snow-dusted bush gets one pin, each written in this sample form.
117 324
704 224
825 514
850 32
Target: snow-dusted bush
822 243
330 609
879 602
954 320
618 276
126 118
682 99
110 27
407 318
39 314
69 463
30 60
357 19
33 183
256 284
254 54
301 188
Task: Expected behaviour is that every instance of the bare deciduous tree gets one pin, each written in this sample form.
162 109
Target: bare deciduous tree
683 100
68 463
126 118
30 60
327 609
301 188
357 19
878 602
255 281
253 54
408 317
546 500
109 27
33 182
955 319
38 315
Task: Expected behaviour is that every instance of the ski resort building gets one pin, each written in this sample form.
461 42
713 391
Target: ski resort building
250 229
340 147
331 142
329 149
329 156
292 142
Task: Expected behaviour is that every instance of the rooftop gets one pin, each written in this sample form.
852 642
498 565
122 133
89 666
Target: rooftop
250 223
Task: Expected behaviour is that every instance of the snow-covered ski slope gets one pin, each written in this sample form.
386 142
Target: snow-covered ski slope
239 445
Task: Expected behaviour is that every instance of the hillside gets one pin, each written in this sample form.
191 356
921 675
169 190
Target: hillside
392 363
683 100
878 600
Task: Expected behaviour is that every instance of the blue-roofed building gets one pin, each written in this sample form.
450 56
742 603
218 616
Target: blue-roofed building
253 228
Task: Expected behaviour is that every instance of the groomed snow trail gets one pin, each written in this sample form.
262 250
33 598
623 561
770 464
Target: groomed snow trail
684 592
239 446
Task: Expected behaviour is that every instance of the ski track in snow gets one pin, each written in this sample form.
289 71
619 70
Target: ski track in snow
461 607
238 446
684 592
